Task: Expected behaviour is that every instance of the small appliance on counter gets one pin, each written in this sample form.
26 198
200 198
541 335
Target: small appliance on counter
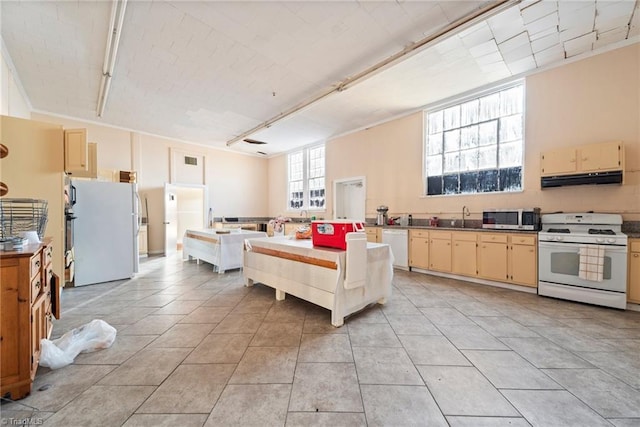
381 218
332 234
512 219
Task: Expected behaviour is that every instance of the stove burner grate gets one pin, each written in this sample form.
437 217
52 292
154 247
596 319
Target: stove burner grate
602 231
558 230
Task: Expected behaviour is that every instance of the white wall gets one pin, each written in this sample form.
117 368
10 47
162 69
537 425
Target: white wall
14 101
237 183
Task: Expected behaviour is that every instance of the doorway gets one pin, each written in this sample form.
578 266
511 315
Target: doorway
184 209
349 198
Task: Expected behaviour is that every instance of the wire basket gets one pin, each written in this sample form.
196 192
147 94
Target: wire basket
20 215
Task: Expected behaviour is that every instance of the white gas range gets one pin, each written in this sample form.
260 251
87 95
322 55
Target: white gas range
583 257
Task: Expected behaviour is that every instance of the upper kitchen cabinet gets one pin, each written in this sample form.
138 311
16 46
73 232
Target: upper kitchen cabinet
76 159
601 157
558 162
607 156
92 169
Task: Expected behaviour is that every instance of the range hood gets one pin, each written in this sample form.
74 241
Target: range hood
614 177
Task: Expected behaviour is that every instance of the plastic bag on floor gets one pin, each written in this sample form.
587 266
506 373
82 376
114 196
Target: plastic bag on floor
61 352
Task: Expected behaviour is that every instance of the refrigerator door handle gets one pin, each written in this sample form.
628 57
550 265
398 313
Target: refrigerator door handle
73 195
139 218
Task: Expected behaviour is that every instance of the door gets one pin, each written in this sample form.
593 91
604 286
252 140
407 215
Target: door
105 240
170 219
560 161
523 265
596 157
492 261
440 254
349 198
464 254
560 263
184 209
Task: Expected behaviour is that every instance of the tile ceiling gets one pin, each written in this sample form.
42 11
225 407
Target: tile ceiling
209 71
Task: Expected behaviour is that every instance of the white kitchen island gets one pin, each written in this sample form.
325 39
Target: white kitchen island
220 247
341 281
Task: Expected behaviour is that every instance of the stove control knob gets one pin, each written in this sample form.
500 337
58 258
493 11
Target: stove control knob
559 238
611 240
600 240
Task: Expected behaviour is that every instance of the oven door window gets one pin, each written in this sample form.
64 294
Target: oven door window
569 263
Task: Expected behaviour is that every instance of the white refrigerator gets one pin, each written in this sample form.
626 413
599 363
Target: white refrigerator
105 235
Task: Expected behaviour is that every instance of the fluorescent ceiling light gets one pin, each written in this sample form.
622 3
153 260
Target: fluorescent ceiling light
113 40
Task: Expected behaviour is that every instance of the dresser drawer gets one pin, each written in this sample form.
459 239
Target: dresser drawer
48 255
36 287
36 264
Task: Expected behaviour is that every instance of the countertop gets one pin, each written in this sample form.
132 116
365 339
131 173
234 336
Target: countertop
426 227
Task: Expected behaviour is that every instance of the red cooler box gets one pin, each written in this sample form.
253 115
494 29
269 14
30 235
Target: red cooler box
333 233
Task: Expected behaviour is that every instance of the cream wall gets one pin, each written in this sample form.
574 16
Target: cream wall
237 183
593 100
12 103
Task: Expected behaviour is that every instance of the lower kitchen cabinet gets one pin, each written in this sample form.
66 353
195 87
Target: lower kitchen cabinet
374 234
419 249
493 257
463 253
143 239
30 299
440 251
523 260
633 291
500 257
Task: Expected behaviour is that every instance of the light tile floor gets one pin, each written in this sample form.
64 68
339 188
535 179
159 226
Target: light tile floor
195 348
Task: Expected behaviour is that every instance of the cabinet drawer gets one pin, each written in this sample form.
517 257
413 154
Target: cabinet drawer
441 235
465 236
48 255
36 264
419 233
36 287
497 238
634 246
519 239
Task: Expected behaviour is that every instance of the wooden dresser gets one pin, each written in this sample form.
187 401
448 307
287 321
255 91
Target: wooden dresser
30 299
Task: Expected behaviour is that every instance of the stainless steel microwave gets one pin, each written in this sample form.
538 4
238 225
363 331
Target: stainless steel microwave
512 219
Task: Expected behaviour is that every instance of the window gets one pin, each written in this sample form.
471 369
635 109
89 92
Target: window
476 146
306 179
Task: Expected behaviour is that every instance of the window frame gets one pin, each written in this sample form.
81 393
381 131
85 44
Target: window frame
306 179
459 101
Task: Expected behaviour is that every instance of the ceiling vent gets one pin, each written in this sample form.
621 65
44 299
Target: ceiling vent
254 141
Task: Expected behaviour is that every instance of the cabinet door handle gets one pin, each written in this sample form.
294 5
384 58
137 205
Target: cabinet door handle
37 263
636 255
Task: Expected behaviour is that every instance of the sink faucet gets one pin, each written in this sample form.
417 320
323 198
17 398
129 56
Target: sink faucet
465 212
306 214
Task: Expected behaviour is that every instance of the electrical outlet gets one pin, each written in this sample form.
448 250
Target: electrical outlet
453 222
